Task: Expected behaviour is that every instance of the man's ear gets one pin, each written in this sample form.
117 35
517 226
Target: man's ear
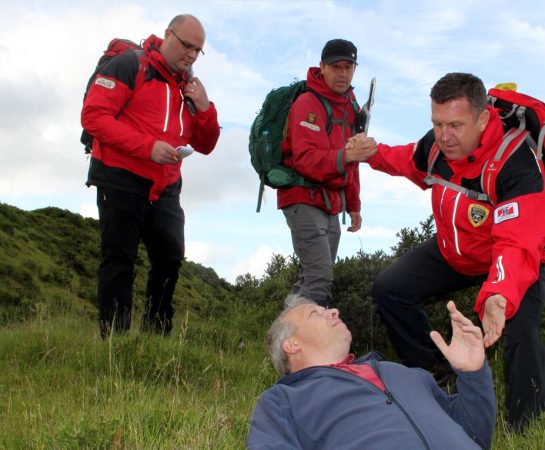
322 65
484 117
291 346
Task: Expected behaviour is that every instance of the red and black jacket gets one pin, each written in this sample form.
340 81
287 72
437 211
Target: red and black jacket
505 241
126 123
318 156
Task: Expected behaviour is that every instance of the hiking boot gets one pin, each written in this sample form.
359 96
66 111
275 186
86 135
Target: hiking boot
116 325
157 325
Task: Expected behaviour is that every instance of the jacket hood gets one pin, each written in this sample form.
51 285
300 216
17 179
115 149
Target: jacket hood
151 47
315 81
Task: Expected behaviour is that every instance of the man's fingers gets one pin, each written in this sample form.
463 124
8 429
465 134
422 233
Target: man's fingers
439 341
491 336
490 339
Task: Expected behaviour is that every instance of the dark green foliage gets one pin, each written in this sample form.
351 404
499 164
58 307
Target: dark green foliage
273 287
436 306
410 237
352 296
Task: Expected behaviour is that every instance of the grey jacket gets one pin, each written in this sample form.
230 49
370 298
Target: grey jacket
326 408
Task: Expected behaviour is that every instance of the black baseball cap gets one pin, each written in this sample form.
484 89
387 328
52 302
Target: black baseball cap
339 50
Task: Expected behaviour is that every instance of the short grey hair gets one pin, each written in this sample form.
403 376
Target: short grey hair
280 330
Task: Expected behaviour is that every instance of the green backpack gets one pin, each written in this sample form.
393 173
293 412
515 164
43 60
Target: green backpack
270 128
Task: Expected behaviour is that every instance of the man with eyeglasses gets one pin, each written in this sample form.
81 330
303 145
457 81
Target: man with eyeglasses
144 109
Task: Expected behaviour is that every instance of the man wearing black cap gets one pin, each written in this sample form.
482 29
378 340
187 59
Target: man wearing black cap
320 123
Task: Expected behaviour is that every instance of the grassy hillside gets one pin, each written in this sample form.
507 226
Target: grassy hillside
62 387
49 258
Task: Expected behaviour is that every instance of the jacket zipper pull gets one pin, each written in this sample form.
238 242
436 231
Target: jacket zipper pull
389 397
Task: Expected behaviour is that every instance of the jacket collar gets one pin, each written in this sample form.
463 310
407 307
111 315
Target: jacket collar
315 81
151 47
371 358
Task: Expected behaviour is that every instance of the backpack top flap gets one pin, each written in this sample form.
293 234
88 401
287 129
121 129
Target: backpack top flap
519 110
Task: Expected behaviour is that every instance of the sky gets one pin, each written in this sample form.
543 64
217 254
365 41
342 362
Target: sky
49 49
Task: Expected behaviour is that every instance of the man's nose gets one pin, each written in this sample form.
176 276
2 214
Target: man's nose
333 313
444 134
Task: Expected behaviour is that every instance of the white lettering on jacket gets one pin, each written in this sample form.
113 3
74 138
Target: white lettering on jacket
506 212
310 126
104 82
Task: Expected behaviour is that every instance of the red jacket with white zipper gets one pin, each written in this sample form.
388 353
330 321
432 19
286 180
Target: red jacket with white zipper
506 240
126 123
317 156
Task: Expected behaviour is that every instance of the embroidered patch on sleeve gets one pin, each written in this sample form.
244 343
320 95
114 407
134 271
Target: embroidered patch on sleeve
506 212
104 82
310 126
477 214
311 118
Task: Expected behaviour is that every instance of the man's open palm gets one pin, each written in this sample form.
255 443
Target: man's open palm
466 349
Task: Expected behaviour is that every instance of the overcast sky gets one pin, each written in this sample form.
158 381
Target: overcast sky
49 49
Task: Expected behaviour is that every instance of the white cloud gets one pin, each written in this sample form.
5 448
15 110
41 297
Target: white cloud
89 210
50 49
255 264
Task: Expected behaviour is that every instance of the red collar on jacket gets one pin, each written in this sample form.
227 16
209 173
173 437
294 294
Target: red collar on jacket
364 371
490 140
315 81
151 48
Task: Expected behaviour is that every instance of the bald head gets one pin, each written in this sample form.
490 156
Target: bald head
183 42
181 18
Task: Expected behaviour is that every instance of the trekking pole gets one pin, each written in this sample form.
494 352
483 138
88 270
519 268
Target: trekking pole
370 102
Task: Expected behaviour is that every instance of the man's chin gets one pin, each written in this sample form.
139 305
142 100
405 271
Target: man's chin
452 154
183 67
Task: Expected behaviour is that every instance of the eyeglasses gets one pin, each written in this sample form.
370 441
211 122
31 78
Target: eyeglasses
187 45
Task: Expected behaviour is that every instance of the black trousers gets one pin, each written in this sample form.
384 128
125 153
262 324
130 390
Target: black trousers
400 293
125 220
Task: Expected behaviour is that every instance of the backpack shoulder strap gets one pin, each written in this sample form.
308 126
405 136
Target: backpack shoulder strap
511 142
432 158
359 121
144 71
328 110
360 117
431 179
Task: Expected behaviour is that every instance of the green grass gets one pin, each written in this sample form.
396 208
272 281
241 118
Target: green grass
62 387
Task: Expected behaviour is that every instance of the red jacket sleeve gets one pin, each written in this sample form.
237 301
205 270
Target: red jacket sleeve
206 130
518 241
398 161
105 99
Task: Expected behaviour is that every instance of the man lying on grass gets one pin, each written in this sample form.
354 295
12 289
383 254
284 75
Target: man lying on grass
328 399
